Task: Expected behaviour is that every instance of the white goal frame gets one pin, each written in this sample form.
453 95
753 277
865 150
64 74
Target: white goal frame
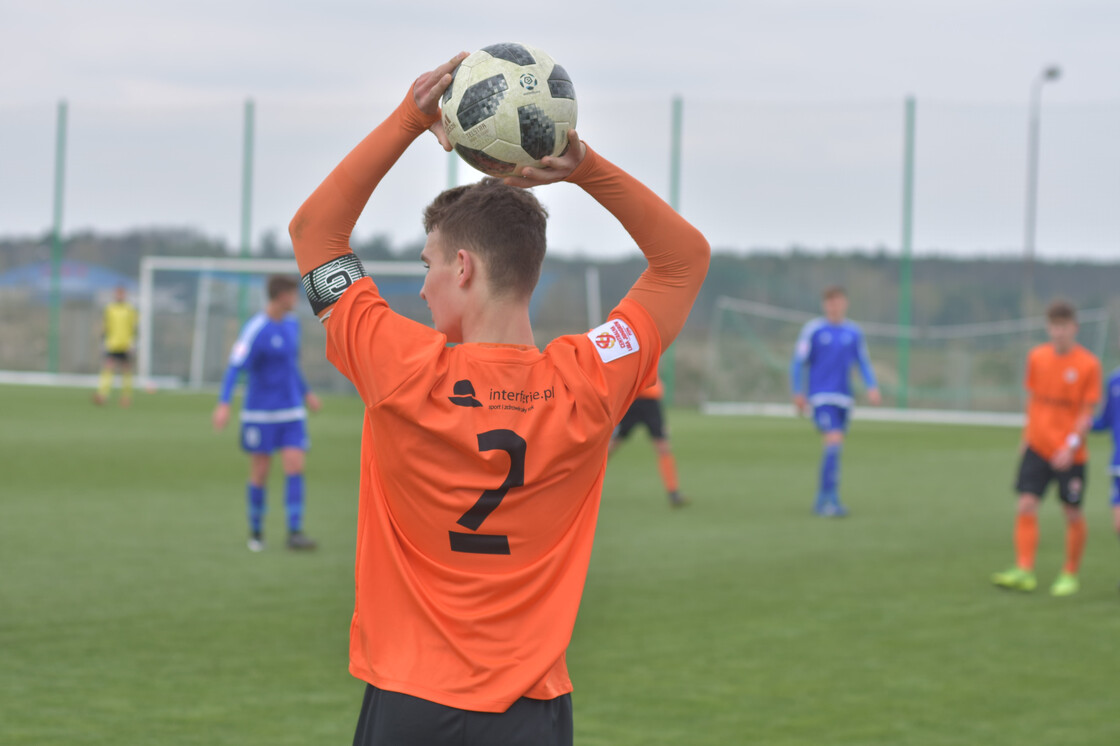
914 332
149 265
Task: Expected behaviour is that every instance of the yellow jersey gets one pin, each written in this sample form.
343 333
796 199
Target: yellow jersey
120 327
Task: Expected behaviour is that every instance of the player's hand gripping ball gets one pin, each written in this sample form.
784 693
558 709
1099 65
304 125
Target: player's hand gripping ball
508 106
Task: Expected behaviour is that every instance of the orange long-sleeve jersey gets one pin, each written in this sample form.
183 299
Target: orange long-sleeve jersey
482 464
1063 389
655 390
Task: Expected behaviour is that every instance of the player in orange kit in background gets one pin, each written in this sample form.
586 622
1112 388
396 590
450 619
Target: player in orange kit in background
647 410
482 462
1063 384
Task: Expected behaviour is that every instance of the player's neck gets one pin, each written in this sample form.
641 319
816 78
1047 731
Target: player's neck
1063 349
275 311
499 322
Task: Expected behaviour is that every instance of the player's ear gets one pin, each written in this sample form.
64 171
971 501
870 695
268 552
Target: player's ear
466 267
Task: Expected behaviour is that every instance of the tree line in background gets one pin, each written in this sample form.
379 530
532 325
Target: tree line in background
944 290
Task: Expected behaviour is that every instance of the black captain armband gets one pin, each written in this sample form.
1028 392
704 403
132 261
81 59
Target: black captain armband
326 283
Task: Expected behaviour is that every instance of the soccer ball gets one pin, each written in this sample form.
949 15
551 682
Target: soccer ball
508 106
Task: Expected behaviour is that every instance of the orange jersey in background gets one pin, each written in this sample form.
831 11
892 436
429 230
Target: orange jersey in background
1061 389
482 468
654 391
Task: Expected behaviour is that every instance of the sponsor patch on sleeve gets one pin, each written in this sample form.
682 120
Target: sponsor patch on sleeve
613 340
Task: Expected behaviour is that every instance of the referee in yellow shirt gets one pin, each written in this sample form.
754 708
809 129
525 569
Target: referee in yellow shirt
120 338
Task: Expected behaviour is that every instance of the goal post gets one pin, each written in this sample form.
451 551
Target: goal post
968 373
179 322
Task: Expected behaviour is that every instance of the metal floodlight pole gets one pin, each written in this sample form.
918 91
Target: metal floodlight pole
452 170
1052 72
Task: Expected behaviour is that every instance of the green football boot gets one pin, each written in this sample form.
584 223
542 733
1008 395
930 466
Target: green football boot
1066 585
1016 579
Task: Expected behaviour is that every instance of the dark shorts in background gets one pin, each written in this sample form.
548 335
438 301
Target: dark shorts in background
1035 475
642 412
395 719
124 356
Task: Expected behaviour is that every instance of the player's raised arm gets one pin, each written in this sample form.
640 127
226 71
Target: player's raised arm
677 253
322 226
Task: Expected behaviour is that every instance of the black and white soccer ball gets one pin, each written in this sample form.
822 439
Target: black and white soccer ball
508 106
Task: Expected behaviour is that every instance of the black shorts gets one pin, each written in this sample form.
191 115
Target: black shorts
642 412
121 357
395 719
1035 475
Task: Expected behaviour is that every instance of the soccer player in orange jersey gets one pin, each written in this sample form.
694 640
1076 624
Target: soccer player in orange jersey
647 410
1063 384
483 456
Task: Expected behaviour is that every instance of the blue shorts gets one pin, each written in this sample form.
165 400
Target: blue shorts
1115 492
266 437
830 418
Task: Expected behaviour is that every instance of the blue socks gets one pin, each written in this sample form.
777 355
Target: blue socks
256 507
830 469
293 498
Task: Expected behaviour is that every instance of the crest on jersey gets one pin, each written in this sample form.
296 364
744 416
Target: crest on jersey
1071 375
613 340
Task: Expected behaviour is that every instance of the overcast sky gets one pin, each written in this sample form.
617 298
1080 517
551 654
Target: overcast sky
793 113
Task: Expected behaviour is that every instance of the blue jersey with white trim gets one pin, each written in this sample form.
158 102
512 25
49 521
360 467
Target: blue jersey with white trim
829 351
268 352
1109 417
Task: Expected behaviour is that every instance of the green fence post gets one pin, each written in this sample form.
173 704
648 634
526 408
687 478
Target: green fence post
246 207
56 240
905 291
668 359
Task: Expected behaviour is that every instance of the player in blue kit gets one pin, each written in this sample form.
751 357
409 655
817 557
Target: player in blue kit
273 414
827 349
1109 419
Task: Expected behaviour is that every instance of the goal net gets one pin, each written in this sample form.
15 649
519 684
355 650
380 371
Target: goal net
192 309
955 372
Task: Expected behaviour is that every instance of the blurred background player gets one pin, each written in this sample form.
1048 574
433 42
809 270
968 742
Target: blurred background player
119 330
647 410
1063 382
826 350
482 461
1109 419
273 415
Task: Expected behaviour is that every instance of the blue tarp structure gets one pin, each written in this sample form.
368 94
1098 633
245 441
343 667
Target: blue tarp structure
78 280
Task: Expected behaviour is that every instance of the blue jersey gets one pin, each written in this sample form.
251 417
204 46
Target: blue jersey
1109 417
829 351
268 352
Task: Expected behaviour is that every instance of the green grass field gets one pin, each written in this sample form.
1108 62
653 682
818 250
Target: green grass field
131 612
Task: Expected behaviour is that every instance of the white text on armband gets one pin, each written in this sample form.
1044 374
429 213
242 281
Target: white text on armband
326 283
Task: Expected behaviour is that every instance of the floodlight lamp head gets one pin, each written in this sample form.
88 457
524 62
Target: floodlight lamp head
1053 72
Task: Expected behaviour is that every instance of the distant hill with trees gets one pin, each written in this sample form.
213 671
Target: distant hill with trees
944 290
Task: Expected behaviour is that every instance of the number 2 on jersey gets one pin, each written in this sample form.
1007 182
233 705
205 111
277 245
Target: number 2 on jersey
514 445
